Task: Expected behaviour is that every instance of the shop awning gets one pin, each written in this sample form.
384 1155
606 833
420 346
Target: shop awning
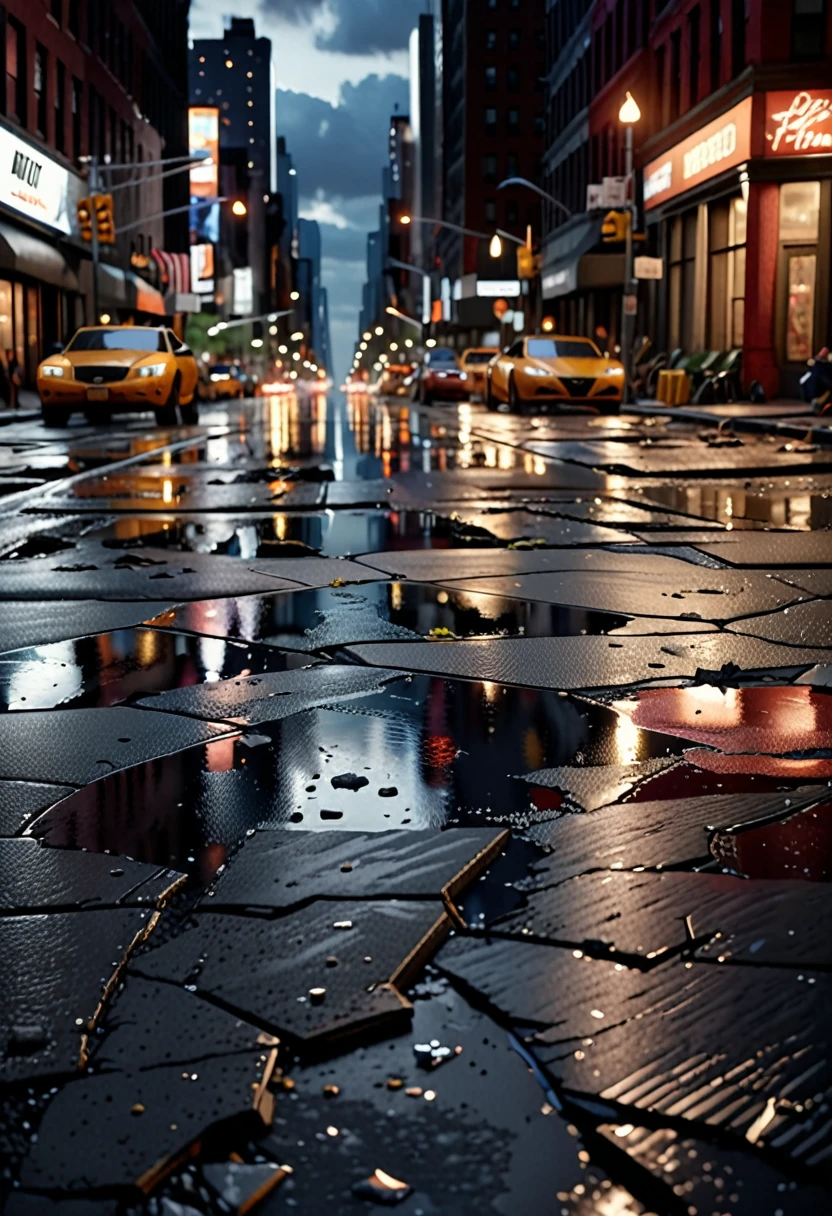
26 253
562 256
112 285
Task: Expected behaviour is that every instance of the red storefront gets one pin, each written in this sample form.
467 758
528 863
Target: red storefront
742 212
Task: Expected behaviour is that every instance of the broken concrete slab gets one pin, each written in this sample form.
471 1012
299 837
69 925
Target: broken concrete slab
275 871
35 879
21 801
164 1082
594 786
272 695
808 624
76 746
276 973
24 624
592 662
777 550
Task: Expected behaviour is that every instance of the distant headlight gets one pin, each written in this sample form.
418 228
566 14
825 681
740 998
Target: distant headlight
614 371
219 376
51 370
152 369
538 371
463 375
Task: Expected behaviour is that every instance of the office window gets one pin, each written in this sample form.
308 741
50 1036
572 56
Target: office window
16 71
512 165
716 44
808 29
512 213
489 168
675 72
491 40
39 86
55 8
72 18
513 80
490 79
660 89
60 106
694 19
514 40
490 211
76 117
490 121
513 121
737 36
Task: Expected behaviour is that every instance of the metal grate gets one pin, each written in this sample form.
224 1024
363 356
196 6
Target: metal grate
99 373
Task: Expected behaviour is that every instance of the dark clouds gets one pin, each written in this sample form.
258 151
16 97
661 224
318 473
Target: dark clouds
361 27
341 149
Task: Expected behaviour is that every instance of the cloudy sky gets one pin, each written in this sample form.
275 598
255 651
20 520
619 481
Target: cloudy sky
341 66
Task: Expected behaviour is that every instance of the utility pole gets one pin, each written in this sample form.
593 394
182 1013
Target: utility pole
94 248
629 115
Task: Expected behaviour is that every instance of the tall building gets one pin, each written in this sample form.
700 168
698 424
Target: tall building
493 63
422 199
99 78
313 309
734 172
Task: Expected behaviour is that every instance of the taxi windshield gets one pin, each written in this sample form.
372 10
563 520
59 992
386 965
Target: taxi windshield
562 348
118 339
479 356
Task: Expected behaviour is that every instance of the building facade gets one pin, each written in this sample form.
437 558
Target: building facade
83 79
734 172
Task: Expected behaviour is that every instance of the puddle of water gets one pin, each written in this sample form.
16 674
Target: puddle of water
111 668
355 614
775 721
785 503
432 751
796 848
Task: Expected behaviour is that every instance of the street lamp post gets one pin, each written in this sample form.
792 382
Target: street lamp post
629 115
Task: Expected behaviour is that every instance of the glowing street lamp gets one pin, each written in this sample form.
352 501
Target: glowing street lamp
496 246
628 116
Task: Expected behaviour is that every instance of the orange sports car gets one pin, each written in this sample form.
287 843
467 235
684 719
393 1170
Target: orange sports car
551 368
474 362
119 368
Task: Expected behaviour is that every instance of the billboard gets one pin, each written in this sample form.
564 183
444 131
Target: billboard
204 137
202 269
34 184
799 123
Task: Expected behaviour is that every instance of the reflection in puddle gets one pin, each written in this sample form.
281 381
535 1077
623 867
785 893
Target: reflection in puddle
778 505
127 664
432 752
799 847
330 617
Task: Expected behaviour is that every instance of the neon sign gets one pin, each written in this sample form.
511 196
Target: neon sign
798 124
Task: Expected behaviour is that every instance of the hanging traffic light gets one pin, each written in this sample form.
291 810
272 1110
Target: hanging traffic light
615 226
104 219
83 212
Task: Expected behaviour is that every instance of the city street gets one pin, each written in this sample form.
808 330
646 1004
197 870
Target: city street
416 805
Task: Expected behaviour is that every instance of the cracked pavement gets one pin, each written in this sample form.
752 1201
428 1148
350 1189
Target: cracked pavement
414 807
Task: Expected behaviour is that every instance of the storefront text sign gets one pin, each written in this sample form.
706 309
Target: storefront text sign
722 144
799 124
36 185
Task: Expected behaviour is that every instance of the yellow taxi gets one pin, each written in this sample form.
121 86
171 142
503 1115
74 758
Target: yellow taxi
554 368
118 368
474 363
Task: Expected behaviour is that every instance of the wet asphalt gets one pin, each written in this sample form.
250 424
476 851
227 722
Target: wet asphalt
417 807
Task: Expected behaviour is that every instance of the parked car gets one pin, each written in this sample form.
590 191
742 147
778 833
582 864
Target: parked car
106 369
474 363
222 382
442 378
544 368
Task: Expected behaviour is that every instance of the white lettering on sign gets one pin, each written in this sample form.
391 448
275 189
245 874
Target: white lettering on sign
659 181
797 124
36 185
710 151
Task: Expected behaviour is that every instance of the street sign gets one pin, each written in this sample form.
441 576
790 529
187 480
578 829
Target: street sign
500 308
594 196
649 268
614 192
630 305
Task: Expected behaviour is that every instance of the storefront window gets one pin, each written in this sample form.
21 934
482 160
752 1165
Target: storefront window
19 326
6 328
682 270
799 212
726 274
801 307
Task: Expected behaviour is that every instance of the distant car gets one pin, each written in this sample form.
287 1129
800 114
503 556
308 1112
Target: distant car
554 369
392 380
224 382
106 369
474 363
442 378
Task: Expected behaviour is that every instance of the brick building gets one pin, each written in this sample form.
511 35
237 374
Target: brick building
734 151
83 77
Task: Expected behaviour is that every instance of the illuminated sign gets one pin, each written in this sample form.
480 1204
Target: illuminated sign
34 184
799 124
243 300
202 269
498 287
722 144
204 137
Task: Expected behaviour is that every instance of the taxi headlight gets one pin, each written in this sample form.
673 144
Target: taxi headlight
151 369
52 370
614 371
538 371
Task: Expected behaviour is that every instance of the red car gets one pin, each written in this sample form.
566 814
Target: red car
442 378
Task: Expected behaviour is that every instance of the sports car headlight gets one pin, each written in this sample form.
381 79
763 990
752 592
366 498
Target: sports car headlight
614 371
538 371
52 370
152 369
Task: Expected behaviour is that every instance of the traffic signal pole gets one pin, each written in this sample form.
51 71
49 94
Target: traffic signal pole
94 247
